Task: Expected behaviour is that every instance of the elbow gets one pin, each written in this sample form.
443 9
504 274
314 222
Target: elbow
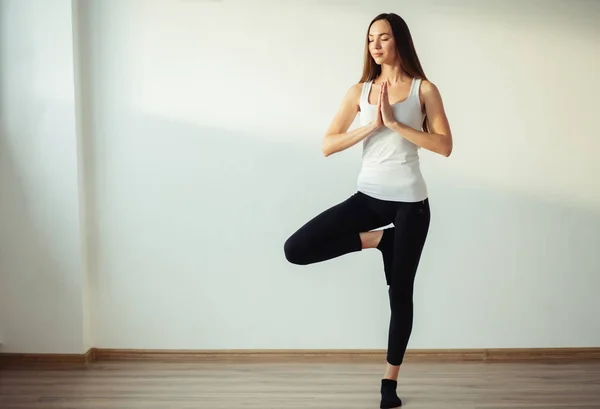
446 151
446 148
326 148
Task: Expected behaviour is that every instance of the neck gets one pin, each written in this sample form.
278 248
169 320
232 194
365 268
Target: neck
392 73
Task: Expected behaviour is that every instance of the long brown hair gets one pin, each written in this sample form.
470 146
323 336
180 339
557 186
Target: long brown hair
407 53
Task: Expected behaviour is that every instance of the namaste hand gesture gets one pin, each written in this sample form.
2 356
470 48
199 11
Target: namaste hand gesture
387 115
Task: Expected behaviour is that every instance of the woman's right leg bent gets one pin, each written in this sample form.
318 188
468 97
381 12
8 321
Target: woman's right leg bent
333 233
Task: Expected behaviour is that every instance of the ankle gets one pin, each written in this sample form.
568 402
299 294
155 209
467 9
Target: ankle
389 383
371 239
391 372
377 238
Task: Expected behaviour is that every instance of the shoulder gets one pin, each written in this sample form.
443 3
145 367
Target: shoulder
429 90
356 89
429 95
353 93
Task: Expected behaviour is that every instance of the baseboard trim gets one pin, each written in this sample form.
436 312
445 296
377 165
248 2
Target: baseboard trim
25 359
359 355
334 356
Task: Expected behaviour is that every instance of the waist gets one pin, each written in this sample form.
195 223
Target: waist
400 163
392 173
404 184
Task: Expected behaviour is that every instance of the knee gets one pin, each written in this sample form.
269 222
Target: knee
401 295
294 252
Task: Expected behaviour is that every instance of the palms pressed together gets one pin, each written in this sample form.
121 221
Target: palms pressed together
385 115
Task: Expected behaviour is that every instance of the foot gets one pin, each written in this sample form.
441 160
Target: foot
386 246
389 398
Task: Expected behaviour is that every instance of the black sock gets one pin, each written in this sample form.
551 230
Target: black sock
386 246
389 398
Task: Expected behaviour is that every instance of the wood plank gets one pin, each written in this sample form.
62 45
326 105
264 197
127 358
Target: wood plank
222 385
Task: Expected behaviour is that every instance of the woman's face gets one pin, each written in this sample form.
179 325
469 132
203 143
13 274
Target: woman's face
381 43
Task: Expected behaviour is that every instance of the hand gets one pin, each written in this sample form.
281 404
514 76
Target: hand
378 120
387 114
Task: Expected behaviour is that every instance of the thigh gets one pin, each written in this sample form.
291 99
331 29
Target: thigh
354 215
412 226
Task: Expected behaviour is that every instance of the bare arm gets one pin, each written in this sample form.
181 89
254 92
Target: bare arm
336 137
439 139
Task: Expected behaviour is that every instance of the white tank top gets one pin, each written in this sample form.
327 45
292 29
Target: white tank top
390 163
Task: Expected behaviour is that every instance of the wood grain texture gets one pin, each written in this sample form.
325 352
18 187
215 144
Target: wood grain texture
185 385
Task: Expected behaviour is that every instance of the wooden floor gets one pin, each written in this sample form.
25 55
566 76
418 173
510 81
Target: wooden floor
151 385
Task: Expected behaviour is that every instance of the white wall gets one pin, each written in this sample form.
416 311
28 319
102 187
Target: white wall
192 209
187 210
41 265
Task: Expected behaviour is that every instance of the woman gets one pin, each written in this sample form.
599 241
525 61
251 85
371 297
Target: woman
400 112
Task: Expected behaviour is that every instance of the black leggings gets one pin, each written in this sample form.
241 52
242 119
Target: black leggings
335 232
